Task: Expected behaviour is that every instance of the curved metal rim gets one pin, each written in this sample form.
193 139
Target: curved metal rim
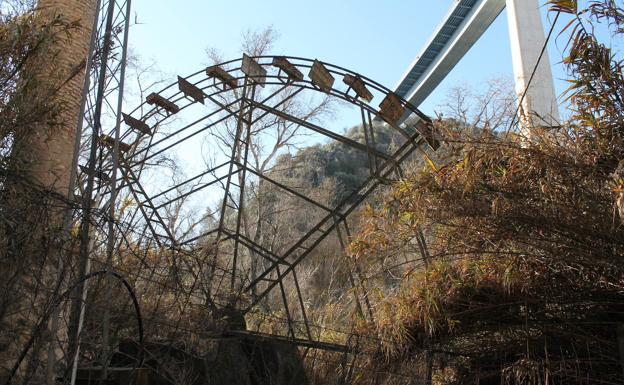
305 83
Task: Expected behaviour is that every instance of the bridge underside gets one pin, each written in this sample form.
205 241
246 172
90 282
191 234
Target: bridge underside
460 30
464 25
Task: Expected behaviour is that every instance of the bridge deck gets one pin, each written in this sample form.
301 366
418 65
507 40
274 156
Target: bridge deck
463 26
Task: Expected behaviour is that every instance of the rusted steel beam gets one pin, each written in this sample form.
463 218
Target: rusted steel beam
145 202
426 130
321 130
193 190
343 209
199 176
253 246
288 189
101 175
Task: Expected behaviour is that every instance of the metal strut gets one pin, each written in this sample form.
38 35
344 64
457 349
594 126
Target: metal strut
102 98
231 88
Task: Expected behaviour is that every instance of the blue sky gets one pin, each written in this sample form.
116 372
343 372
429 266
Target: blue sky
376 38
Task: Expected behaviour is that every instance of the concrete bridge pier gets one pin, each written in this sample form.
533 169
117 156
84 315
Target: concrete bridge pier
464 25
527 38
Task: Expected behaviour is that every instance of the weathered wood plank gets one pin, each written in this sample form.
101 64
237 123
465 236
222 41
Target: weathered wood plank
137 124
391 109
221 74
191 90
255 71
321 77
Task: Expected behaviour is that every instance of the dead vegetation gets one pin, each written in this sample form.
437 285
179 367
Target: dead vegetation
523 280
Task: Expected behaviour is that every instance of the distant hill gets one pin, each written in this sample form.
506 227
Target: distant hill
346 166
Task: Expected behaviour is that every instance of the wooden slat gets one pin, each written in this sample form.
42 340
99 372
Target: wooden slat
426 130
255 71
391 108
169 106
286 66
321 77
110 142
191 90
221 74
357 84
137 124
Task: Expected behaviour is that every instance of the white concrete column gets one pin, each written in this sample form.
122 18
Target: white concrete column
526 34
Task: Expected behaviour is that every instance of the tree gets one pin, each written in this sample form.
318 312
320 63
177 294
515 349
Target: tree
491 108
